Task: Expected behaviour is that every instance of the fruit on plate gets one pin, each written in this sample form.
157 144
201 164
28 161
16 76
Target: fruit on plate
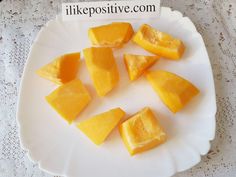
142 132
69 99
173 90
98 127
159 43
111 35
137 64
62 69
102 68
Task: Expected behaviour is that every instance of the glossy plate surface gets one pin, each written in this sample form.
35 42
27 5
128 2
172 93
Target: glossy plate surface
63 150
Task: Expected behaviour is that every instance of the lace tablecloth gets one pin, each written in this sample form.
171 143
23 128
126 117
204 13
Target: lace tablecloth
20 20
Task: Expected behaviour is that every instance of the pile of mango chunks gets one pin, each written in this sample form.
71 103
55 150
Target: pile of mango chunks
142 131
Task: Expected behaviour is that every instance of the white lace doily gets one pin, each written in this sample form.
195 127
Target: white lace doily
215 20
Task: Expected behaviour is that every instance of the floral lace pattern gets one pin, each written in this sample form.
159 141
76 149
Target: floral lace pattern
21 20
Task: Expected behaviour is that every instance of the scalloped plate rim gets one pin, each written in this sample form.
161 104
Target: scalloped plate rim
18 119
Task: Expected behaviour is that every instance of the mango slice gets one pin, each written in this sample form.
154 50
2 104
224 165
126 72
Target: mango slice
111 35
138 64
102 68
159 43
98 127
173 90
69 99
142 132
62 69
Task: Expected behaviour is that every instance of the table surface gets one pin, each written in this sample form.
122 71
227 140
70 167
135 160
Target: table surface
20 20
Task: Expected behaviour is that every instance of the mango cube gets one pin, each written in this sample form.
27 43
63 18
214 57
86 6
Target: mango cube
142 132
102 68
173 90
69 99
159 43
111 35
62 69
98 127
138 64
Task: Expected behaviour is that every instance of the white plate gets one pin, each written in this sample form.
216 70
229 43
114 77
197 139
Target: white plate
61 149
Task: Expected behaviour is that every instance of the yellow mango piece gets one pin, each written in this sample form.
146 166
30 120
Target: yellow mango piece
62 69
97 128
173 90
102 68
69 99
142 132
138 64
111 35
159 43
